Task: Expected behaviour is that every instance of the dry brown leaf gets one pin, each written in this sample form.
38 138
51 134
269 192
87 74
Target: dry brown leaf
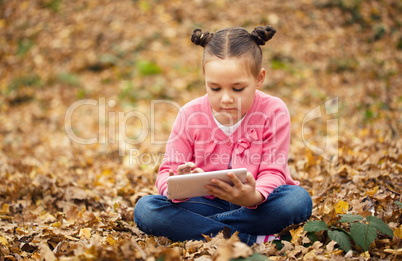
331 245
287 246
85 232
46 254
296 234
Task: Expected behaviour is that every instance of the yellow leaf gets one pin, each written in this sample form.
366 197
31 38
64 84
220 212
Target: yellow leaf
86 232
296 233
365 254
341 207
111 240
372 191
3 240
57 224
336 252
398 232
5 209
107 172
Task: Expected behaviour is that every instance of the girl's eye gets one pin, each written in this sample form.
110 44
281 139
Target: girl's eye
215 89
238 90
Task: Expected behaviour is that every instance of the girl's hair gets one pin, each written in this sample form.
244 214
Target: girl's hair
235 42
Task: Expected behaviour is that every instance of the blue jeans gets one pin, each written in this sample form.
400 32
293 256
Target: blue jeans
286 205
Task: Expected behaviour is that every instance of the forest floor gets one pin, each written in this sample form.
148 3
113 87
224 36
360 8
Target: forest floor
89 91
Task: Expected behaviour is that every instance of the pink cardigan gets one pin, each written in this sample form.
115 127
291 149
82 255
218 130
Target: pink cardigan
260 144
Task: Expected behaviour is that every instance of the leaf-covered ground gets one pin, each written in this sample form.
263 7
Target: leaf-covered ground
62 199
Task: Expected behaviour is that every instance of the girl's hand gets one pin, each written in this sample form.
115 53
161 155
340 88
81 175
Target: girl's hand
239 194
186 168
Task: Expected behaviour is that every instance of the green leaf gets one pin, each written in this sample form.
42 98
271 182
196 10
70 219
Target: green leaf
24 45
312 236
398 203
315 226
148 68
363 234
69 78
342 230
380 225
350 218
341 238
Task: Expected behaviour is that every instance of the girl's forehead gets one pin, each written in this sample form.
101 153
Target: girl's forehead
237 66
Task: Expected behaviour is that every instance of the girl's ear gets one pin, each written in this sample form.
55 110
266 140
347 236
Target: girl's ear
261 78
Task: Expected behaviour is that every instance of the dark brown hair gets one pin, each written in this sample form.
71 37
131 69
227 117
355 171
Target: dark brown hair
235 42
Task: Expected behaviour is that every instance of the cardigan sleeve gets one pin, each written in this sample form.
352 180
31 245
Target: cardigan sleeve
179 149
273 170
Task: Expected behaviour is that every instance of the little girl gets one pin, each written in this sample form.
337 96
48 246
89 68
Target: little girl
233 126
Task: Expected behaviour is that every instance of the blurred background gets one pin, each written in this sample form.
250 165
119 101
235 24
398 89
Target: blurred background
123 55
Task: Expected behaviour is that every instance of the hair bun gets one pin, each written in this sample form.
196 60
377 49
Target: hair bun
261 34
201 38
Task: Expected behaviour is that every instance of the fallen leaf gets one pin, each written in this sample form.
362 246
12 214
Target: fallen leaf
5 209
333 253
372 191
46 253
331 245
3 240
111 240
341 207
287 246
296 233
240 249
86 232
57 224
393 251
365 254
398 232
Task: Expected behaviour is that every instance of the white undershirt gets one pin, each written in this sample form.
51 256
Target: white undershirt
228 130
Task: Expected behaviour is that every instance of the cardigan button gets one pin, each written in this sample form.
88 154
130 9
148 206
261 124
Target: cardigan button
229 143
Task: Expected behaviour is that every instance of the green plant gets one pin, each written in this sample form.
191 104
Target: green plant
23 81
363 231
69 78
24 45
53 5
148 68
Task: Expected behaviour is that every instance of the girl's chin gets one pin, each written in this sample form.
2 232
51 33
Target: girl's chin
228 121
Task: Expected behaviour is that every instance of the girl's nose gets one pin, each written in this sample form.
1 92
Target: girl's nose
226 98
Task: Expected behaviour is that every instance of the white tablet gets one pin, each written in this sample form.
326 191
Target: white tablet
193 185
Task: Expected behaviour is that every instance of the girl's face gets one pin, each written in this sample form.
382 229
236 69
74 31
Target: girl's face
231 88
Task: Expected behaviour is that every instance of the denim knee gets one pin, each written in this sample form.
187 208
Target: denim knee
144 211
291 203
299 203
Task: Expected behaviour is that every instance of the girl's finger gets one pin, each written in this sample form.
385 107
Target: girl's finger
236 181
250 179
197 170
223 185
171 173
188 166
180 169
214 191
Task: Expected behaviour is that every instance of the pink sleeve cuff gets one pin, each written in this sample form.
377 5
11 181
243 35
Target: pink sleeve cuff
180 200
